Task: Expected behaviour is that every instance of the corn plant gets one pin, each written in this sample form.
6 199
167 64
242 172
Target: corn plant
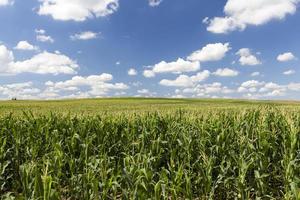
179 154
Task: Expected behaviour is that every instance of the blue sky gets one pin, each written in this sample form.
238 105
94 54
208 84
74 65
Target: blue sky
53 49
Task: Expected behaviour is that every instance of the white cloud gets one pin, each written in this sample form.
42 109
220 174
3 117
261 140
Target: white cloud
255 74
149 73
289 72
40 31
258 89
226 72
6 2
46 63
24 45
294 86
286 57
18 90
87 35
178 96
76 87
211 52
206 90
143 91
154 3
272 85
186 81
265 94
132 72
180 81
252 84
178 66
247 58
77 10
81 81
175 67
42 63
240 14
44 38
6 58
99 85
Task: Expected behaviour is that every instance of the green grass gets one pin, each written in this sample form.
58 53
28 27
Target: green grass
150 149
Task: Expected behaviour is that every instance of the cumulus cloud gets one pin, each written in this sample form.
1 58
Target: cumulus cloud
178 66
175 67
240 14
42 63
211 52
181 81
247 58
259 89
18 90
76 87
148 73
286 57
87 35
210 90
24 45
132 72
6 58
154 3
186 81
46 63
6 2
77 10
99 85
226 72
252 84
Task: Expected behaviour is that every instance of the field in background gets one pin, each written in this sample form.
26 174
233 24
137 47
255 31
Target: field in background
149 149
133 105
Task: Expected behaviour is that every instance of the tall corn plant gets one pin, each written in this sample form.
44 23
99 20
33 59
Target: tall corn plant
205 154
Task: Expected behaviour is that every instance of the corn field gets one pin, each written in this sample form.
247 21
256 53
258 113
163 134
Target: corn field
243 154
